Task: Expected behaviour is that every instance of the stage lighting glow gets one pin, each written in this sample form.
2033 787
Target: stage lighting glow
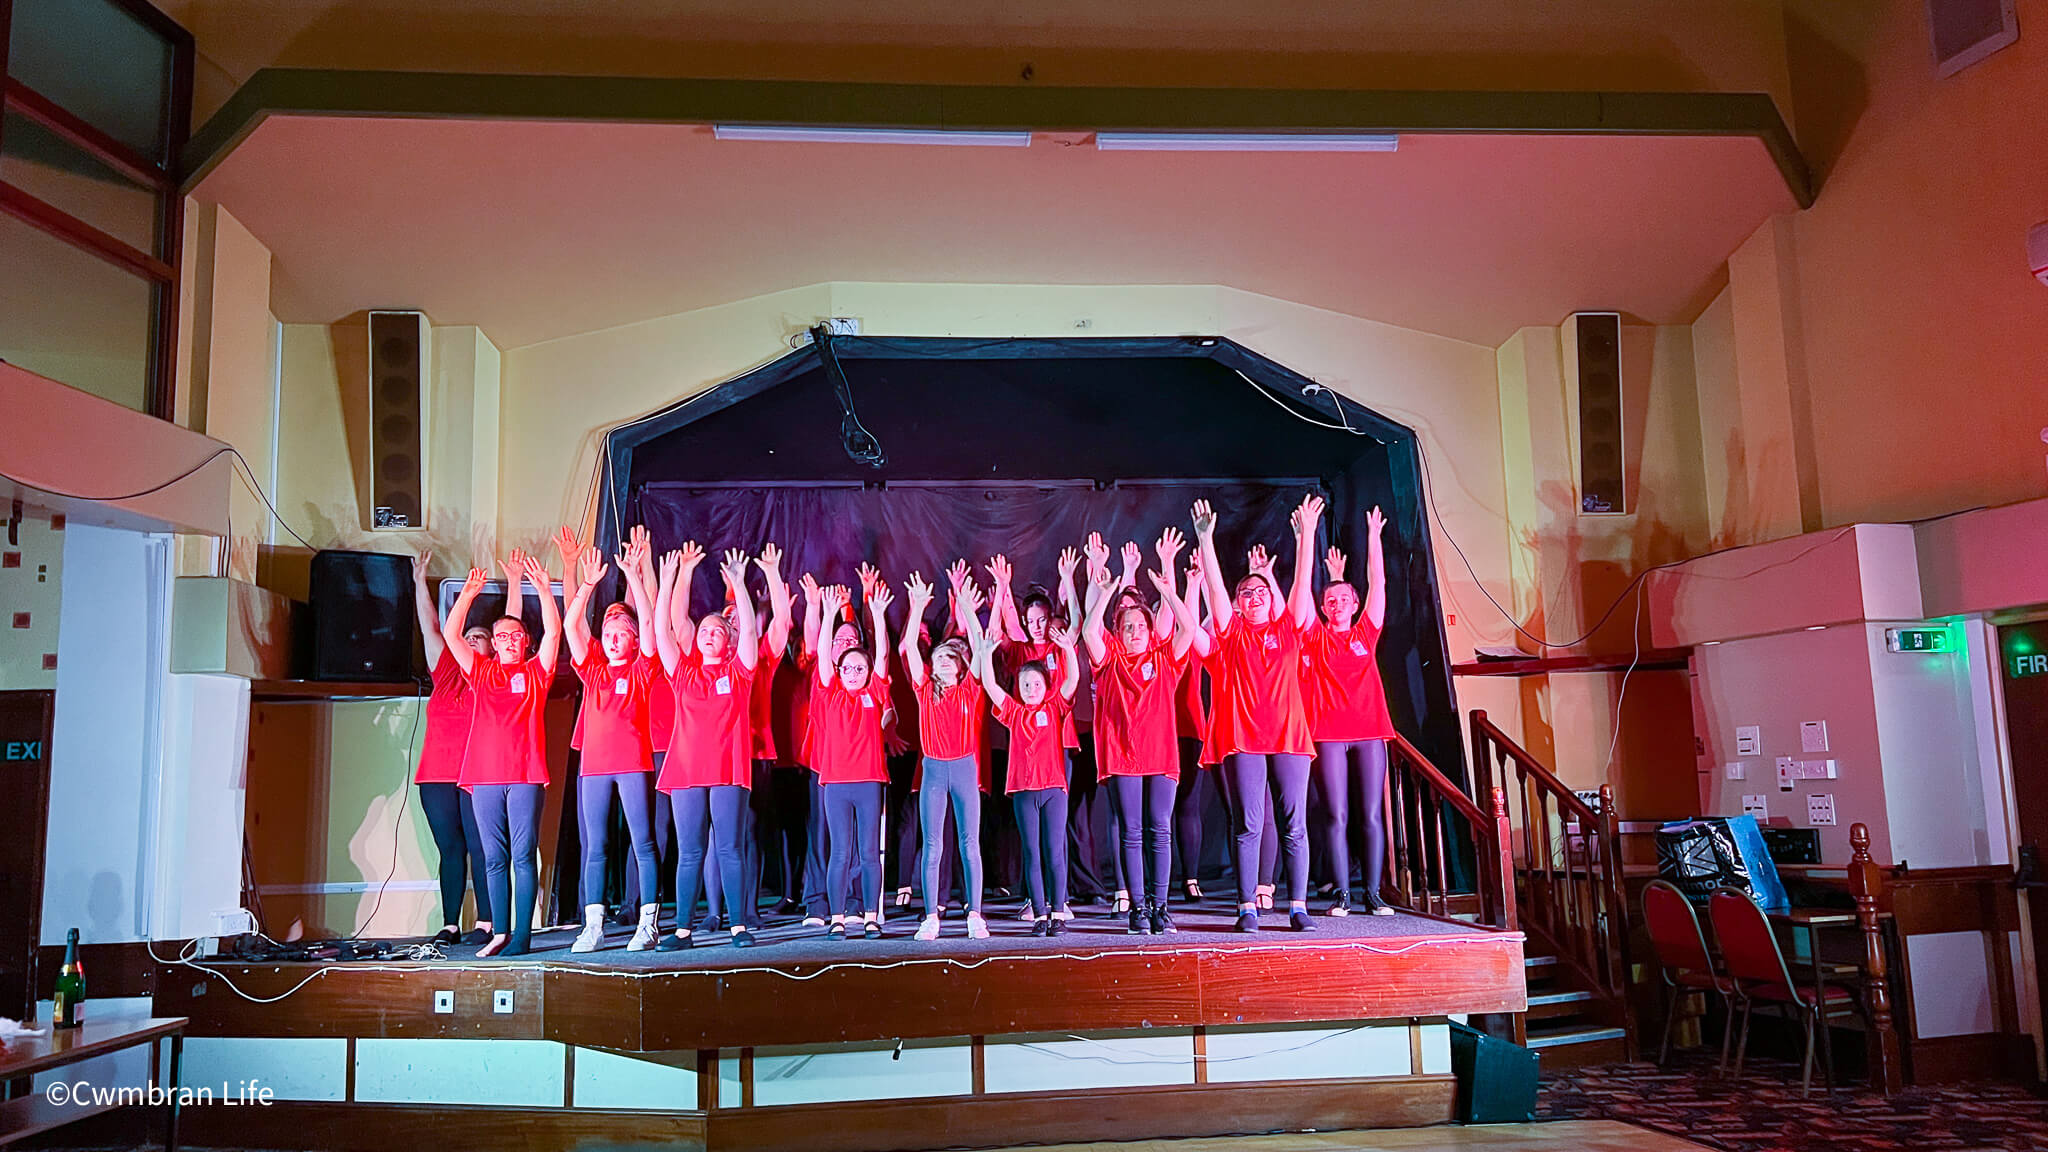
1246 142
801 135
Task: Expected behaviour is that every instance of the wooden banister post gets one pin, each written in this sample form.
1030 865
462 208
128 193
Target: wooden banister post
1504 860
1482 755
1866 884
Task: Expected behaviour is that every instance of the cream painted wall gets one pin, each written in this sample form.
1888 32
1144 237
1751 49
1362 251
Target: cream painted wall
238 373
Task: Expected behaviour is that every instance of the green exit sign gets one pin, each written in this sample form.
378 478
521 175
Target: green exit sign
1916 639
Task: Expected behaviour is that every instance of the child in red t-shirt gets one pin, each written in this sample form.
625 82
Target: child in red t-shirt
1036 718
504 765
951 707
847 709
1348 718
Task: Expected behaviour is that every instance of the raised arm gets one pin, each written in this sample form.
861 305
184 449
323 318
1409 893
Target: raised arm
424 612
1301 599
746 626
879 599
1204 641
1168 549
1132 556
984 648
665 637
830 601
1375 569
1070 603
777 632
1003 620
1212 572
451 628
967 601
814 612
635 565
678 614
1185 628
1071 679
514 567
1100 592
576 614
919 596
570 551
550 616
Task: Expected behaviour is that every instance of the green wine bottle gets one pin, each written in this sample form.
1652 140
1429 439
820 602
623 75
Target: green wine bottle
69 1001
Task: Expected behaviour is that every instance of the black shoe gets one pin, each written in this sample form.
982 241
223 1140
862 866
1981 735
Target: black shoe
743 939
1055 927
1248 920
1140 923
787 906
1300 921
873 931
836 931
515 948
1342 907
1162 920
672 943
626 917
476 937
1377 906
447 936
1192 892
712 924
1042 926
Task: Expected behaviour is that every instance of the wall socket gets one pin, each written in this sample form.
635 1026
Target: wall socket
444 1001
501 1001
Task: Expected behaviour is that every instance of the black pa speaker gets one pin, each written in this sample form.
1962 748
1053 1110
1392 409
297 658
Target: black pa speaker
362 617
1602 474
398 374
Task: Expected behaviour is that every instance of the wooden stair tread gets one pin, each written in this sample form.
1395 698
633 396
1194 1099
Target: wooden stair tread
1540 1040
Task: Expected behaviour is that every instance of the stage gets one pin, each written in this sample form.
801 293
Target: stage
945 1043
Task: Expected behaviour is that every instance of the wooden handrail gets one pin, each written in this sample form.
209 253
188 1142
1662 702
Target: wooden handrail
1501 741
1866 885
1423 853
1452 792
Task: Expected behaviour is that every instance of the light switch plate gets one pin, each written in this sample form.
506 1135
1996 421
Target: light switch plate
1749 740
1820 810
501 1001
1813 735
444 1001
1735 770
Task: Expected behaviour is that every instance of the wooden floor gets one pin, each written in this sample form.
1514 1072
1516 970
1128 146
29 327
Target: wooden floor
1586 1135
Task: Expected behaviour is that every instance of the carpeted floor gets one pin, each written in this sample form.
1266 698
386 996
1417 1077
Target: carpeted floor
1765 1113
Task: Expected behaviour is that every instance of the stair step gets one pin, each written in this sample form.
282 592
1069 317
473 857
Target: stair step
1574 1036
1539 961
1559 998
1557 1005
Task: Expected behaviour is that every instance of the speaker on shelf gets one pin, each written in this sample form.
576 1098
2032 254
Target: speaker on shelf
1602 474
362 617
398 375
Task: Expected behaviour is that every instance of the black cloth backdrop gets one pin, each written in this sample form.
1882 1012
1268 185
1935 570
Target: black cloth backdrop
829 530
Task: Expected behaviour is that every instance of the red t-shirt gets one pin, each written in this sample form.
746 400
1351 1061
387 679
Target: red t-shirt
507 731
1038 756
949 726
661 708
447 724
762 701
1052 656
846 732
1190 717
1135 698
1257 706
713 743
1340 683
614 713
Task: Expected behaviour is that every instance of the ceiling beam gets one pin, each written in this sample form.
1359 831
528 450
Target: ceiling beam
470 96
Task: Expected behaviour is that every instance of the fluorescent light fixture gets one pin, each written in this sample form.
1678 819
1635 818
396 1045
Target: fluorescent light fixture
872 136
1246 142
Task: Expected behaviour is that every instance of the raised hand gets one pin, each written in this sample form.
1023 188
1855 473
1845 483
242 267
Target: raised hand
920 593
1258 561
1132 556
419 566
1375 520
970 595
671 565
638 534
474 582
567 546
1333 563
514 566
1062 636
537 572
1098 552
1204 519
1158 580
692 553
734 567
809 584
591 567
1169 547
770 561
870 576
1102 578
637 547
832 598
1069 560
879 598
957 573
999 570
1305 517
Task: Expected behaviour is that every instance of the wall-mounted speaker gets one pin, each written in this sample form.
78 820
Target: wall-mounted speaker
1596 337
398 425
362 616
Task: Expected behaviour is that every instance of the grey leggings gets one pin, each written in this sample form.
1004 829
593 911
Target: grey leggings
451 817
1337 763
717 810
853 820
1042 823
594 812
1249 774
960 782
1144 806
508 816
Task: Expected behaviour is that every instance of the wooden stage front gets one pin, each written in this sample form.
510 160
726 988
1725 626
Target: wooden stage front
951 1043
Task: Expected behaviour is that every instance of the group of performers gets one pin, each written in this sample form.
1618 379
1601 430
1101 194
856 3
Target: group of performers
680 718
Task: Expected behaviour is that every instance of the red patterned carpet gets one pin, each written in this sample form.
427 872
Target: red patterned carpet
1767 1114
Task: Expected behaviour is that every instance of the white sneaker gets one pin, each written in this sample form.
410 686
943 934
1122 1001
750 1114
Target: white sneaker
814 921
647 933
977 928
592 935
929 930
1027 916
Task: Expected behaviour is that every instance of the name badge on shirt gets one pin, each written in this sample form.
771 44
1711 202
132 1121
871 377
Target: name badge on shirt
618 687
1039 720
518 684
1306 662
1052 661
1358 647
724 686
1145 670
1272 642
867 701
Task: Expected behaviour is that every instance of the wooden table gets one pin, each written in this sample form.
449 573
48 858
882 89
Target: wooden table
24 1056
